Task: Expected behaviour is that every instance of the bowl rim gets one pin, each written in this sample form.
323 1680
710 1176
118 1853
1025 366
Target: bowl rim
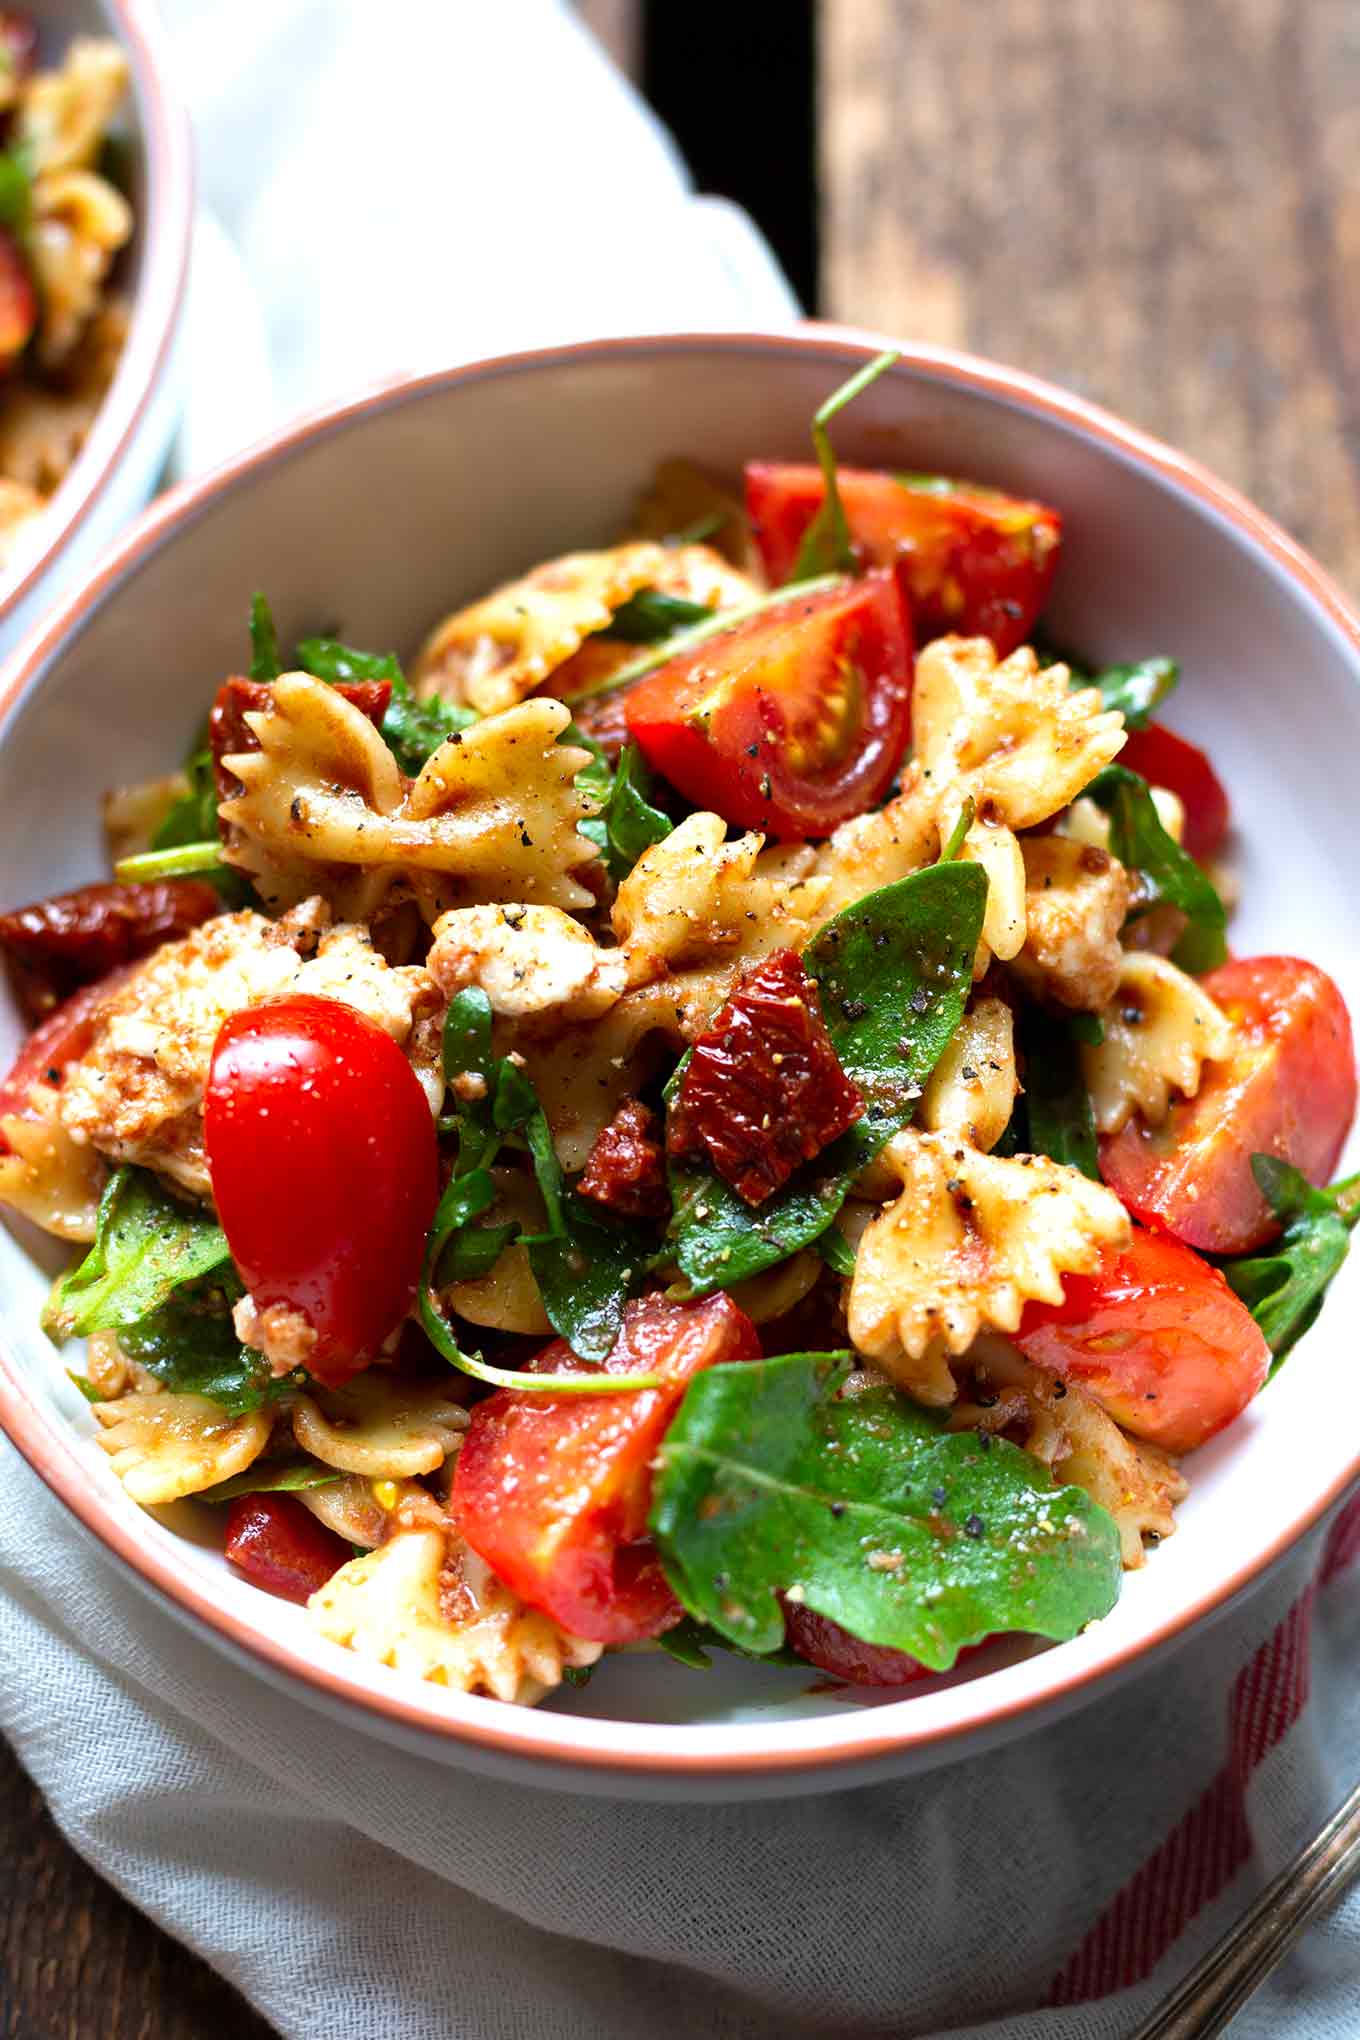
667 1752
165 231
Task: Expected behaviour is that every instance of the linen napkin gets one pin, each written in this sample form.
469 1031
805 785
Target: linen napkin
404 186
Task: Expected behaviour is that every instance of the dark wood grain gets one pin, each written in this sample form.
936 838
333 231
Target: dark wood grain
76 1961
1154 204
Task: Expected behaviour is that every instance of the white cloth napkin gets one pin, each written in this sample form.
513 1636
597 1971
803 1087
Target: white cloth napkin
407 184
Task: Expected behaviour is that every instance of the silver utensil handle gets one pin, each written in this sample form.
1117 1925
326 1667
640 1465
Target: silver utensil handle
1218 1987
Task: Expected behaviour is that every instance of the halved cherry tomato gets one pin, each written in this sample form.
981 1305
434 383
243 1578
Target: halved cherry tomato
1288 1090
792 721
60 1038
1165 759
832 1649
324 1169
1157 1337
279 1546
976 562
554 1492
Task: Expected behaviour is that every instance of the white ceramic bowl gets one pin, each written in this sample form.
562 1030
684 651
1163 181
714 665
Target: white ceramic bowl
376 517
117 468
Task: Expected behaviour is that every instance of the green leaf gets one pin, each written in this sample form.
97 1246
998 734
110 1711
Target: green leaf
262 1479
649 617
836 1250
626 824
1284 1289
147 1244
1171 876
264 640
474 1251
87 1388
826 546
184 860
907 1534
193 818
190 1345
1135 690
895 970
412 730
16 192
1057 1104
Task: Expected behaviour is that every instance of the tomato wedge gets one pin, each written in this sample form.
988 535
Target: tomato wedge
60 1038
324 1169
792 721
279 1546
554 1493
1165 759
1287 1090
975 561
1157 1337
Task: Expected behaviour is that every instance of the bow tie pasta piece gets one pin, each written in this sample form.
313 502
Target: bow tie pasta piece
969 1241
380 1426
165 1446
970 1094
351 1508
52 1179
694 897
497 651
874 850
137 1092
530 961
1016 741
1076 1439
1076 900
79 224
1160 1028
323 807
63 114
426 1605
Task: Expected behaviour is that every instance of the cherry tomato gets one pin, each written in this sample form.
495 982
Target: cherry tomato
62 1037
554 1492
279 1546
1288 1090
1157 1337
792 721
18 300
324 1169
1164 759
975 561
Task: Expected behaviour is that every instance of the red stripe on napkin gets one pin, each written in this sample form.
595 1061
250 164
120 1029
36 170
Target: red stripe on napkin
1212 1842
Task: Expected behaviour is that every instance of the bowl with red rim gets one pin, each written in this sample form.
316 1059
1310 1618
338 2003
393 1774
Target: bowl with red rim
376 517
124 452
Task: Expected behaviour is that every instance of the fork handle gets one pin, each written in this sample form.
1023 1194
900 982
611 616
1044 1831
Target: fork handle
1217 1988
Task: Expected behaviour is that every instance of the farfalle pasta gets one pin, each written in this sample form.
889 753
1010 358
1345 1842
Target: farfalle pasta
731 1056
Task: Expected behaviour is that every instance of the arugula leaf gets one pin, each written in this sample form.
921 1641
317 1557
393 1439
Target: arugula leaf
193 818
87 1388
626 823
190 1345
585 1269
147 1244
412 730
1284 1289
264 640
649 616
895 970
1135 690
1170 874
270 1480
689 1643
16 191
826 546
187 843
905 1533
1057 1106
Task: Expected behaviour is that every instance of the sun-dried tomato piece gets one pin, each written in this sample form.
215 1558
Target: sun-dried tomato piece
57 945
18 300
603 718
764 1089
229 732
626 1169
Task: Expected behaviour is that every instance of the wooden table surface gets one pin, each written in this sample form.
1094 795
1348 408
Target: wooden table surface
1156 205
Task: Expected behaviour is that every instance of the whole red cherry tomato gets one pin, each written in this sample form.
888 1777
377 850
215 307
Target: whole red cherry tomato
1157 1337
58 1040
324 1169
279 1546
975 561
553 1492
1288 1089
791 721
1165 759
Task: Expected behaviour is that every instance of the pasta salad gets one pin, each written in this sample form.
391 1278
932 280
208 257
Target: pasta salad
715 1113
63 220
